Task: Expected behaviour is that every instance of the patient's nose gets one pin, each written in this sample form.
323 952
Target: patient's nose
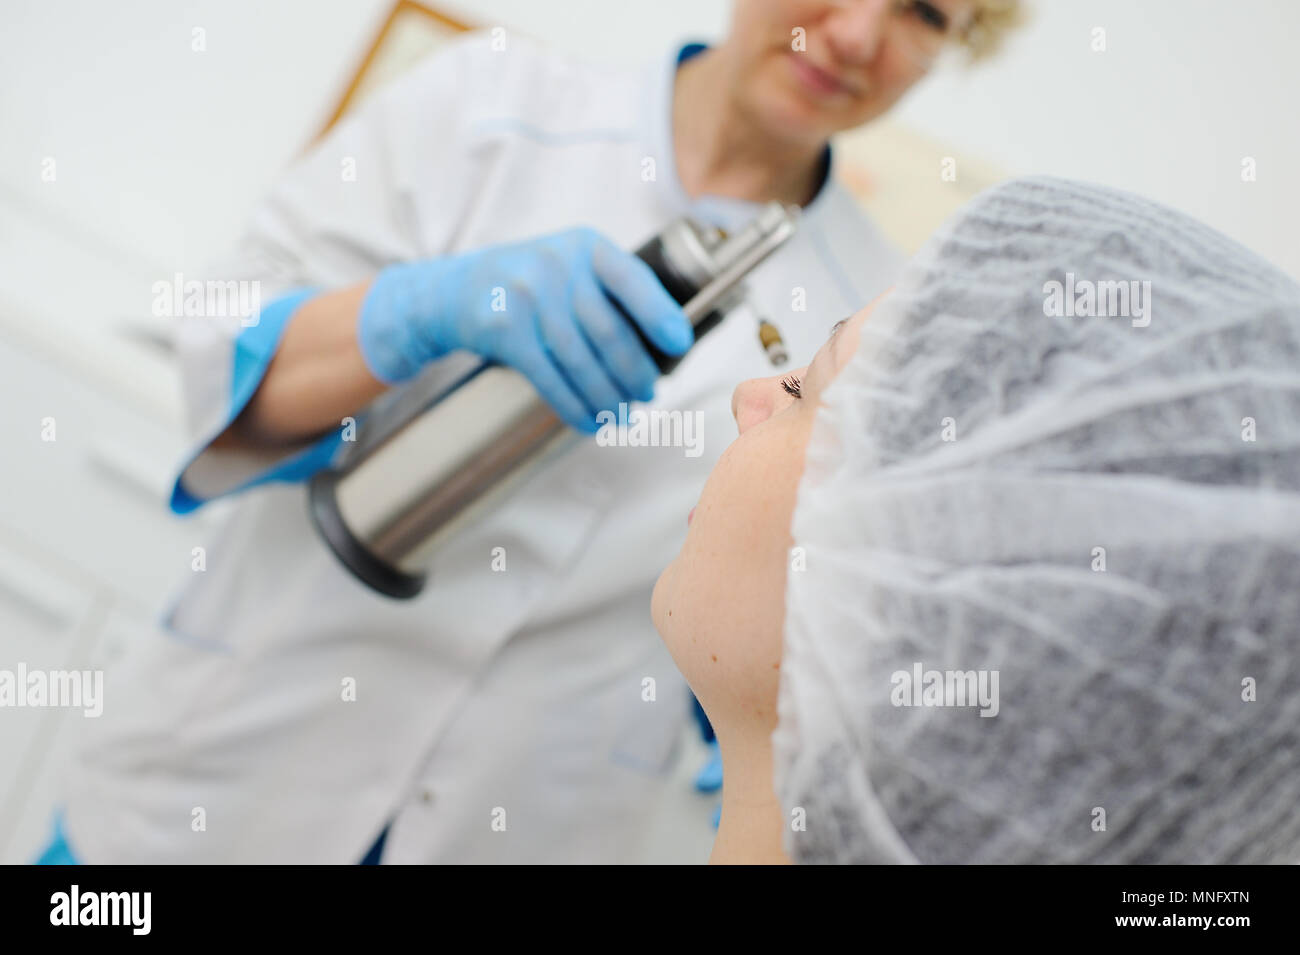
752 402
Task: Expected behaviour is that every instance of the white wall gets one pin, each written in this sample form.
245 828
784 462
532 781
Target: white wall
1184 90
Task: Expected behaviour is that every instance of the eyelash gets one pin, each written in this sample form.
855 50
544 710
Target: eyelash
792 386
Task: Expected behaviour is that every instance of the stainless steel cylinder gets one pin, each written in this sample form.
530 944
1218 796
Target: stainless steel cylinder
387 510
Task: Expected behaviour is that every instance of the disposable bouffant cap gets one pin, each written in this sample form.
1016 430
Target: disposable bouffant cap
1049 606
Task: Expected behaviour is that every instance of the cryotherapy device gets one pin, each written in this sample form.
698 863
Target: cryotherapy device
385 511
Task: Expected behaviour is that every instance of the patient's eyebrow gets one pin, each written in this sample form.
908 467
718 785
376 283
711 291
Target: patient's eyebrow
835 334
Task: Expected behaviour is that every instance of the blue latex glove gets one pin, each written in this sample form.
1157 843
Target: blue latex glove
709 777
543 307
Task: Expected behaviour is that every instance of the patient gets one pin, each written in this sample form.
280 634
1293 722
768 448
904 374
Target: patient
994 580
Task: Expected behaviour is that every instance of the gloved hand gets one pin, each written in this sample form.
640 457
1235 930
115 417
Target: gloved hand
542 306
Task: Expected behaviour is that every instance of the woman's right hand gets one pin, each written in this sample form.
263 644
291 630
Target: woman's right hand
544 306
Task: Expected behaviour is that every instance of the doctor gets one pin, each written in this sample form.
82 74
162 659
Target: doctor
524 714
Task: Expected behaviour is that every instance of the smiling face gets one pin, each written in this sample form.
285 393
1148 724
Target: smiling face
811 68
720 605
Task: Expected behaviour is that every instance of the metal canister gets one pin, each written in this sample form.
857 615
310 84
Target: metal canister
387 510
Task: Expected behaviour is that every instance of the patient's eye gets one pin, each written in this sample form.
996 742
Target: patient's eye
791 385
929 14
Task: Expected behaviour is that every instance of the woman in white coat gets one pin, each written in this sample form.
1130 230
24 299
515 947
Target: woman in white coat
288 713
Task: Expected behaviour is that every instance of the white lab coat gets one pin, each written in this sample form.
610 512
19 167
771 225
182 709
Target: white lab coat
519 691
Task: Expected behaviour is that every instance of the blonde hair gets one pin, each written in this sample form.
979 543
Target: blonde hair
989 26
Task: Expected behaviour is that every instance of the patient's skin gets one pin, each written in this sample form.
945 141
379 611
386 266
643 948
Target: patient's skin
720 606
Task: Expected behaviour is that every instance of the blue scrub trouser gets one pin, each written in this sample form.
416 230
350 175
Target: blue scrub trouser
58 852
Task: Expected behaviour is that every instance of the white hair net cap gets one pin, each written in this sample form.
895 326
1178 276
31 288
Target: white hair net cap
1103 512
